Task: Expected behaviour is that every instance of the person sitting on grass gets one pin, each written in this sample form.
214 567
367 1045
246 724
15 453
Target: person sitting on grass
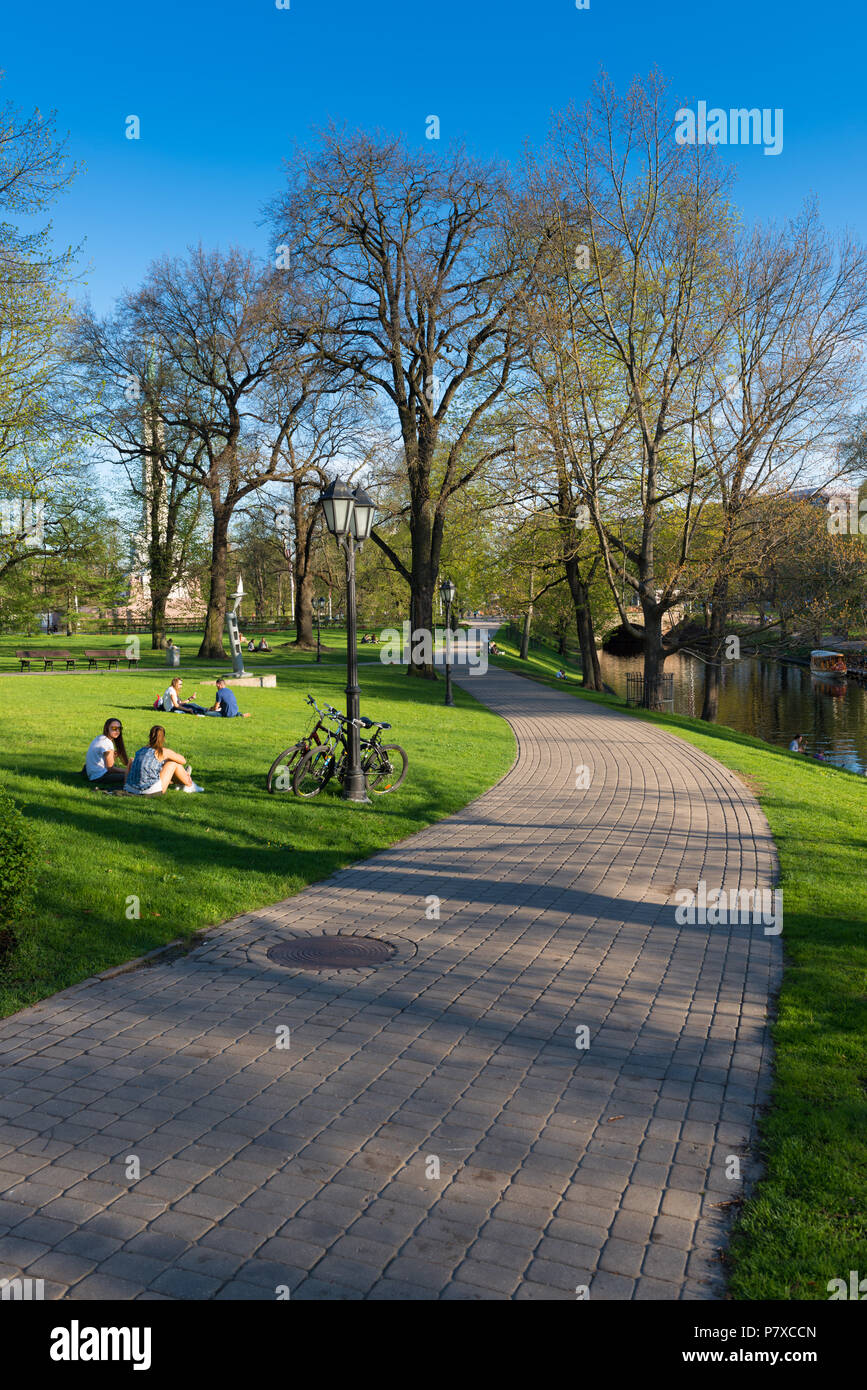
103 755
560 675
262 645
154 768
225 703
797 744
171 702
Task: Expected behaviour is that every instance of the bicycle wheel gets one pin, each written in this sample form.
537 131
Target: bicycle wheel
313 772
386 768
282 769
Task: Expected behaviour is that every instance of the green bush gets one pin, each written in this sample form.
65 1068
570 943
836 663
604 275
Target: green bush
17 860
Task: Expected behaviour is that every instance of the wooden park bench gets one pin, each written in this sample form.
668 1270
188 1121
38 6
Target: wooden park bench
112 656
47 658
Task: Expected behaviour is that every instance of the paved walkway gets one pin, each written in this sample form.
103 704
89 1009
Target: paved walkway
432 1129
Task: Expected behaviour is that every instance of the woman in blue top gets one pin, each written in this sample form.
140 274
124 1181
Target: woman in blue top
153 768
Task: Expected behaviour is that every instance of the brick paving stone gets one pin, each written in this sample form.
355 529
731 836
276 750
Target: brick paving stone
669 1230
422 1272
67 1269
18 1251
656 1290
611 1286
238 1290
217 1264
558 1276
556 909
621 1257
321 1291
496 1278
397 1290
105 1286
567 1252
664 1262
185 1283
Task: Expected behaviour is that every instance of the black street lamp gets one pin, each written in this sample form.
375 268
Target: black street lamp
349 518
447 593
319 604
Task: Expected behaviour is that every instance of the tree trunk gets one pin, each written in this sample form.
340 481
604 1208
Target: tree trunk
159 604
525 635
425 539
591 675
303 578
215 618
654 654
304 611
716 634
423 621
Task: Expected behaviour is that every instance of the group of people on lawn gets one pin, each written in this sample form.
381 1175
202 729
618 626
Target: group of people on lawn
152 769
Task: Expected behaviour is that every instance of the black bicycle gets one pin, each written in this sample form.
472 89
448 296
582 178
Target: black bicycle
384 764
282 770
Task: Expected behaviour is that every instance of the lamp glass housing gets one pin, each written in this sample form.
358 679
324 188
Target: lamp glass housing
337 504
448 591
362 515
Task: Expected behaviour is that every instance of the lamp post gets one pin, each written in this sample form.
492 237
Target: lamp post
319 604
447 592
349 518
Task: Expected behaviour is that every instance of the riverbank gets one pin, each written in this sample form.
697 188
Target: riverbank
806 1219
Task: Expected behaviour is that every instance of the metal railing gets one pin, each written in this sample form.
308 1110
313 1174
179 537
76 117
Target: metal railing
648 693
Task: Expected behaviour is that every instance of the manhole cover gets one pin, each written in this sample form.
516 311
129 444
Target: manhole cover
332 952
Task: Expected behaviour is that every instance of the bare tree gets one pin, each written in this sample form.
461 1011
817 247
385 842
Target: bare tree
641 225
229 330
785 390
160 457
332 427
408 252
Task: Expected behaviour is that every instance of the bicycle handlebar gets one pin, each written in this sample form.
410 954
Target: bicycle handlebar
333 713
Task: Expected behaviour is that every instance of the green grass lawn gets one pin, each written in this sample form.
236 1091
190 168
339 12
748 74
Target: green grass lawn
806 1221
283 654
196 860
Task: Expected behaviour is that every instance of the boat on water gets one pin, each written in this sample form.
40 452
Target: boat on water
826 663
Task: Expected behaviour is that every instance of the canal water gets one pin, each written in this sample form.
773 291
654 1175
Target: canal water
771 700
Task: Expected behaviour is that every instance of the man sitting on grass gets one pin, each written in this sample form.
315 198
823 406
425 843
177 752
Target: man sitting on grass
225 703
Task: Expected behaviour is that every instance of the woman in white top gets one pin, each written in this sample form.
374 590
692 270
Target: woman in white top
173 704
103 756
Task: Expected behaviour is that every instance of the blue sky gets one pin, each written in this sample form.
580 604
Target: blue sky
223 87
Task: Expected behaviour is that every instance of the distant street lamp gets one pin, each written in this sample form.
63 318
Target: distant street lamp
319 604
349 517
447 593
